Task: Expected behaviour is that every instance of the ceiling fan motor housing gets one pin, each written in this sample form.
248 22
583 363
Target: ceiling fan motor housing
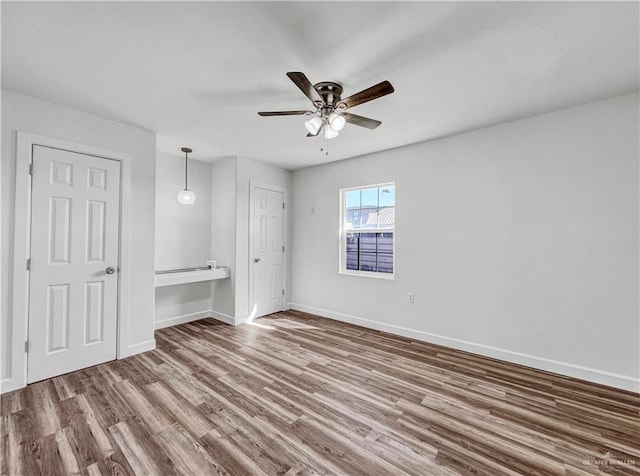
329 92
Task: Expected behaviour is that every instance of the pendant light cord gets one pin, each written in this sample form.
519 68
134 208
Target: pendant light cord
186 155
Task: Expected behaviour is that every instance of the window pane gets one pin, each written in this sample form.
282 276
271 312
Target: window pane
385 253
352 199
386 217
352 217
369 217
352 205
387 195
368 262
352 251
370 197
367 243
370 252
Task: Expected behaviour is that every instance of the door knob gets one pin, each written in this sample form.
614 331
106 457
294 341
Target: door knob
256 260
110 270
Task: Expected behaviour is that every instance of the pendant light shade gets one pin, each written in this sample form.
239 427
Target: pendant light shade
186 196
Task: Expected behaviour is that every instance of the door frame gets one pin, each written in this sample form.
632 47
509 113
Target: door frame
273 188
22 245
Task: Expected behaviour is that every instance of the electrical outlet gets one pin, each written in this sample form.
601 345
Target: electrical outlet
411 298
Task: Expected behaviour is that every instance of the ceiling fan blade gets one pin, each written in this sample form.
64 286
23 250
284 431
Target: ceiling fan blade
360 120
306 87
284 113
369 94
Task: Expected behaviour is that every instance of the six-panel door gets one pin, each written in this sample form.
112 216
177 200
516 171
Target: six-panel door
73 294
267 243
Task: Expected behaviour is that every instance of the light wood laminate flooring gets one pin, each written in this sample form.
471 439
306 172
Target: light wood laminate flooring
294 393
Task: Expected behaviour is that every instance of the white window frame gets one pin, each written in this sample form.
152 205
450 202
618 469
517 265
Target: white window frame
342 257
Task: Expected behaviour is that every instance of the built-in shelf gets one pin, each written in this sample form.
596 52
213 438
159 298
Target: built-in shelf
184 276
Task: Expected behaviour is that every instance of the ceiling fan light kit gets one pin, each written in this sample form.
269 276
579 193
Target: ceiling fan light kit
330 133
330 115
337 122
313 125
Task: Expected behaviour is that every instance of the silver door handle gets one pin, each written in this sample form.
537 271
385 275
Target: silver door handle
256 260
110 270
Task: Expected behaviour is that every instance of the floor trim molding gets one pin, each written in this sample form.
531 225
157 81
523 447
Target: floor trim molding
242 320
195 316
222 317
174 321
9 385
623 382
139 348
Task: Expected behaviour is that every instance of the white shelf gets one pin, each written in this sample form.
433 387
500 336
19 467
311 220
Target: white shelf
183 277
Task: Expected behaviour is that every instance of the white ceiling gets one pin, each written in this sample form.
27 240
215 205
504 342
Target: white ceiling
197 73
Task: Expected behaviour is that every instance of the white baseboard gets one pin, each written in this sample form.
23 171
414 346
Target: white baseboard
174 321
222 317
139 348
9 385
241 320
623 382
194 316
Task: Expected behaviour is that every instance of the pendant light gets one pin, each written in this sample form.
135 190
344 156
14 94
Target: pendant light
186 196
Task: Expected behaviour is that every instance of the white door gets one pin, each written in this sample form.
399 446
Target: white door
268 248
73 290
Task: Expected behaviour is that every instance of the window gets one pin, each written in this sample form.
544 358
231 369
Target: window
368 225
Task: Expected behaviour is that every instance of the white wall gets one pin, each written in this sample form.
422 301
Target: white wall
183 237
182 303
220 230
520 241
183 232
223 232
23 113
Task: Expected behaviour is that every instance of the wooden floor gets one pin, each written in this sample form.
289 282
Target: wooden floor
298 394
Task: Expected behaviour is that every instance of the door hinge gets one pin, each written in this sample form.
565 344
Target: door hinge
29 264
31 168
283 292
283 205
283 248
26 346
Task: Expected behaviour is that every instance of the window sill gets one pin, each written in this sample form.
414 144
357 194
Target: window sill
369 274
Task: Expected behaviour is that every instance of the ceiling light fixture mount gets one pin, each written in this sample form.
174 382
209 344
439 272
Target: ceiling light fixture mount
326 117
186 196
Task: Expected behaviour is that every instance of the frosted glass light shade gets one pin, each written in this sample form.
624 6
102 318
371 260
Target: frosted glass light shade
337 122
313 125
186 197
329 133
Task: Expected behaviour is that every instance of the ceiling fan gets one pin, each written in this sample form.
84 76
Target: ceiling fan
329 115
